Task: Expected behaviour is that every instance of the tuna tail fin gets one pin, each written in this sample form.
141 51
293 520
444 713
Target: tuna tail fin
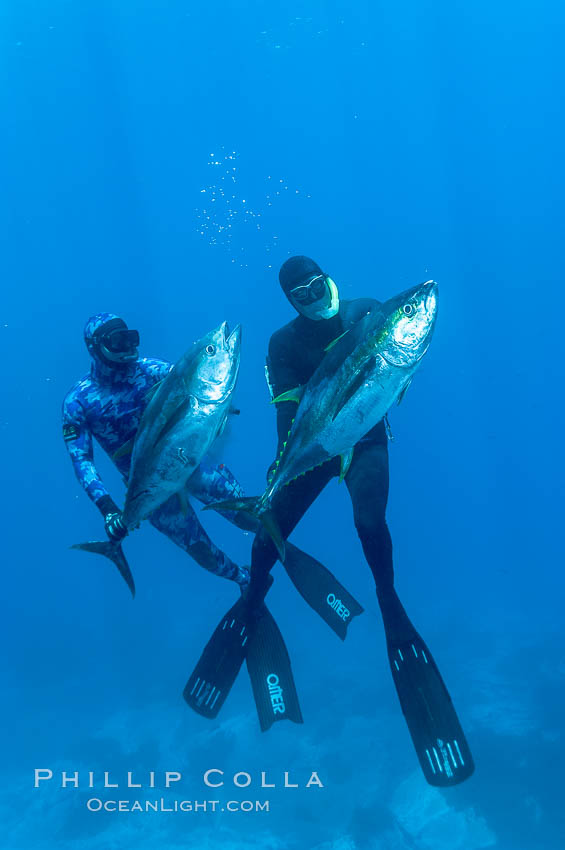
115 553
271 526
253 505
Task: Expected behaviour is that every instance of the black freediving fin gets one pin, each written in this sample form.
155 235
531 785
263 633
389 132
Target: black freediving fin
321 590
270 671
441 746
115 553
218 666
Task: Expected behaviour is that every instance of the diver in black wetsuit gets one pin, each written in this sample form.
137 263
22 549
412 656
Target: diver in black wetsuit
295 352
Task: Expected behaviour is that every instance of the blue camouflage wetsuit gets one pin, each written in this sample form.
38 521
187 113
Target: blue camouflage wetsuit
108 405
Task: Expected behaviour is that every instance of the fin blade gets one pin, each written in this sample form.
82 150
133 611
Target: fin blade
270 672
217 669
115 553
294 394
321 590
345 464
439 740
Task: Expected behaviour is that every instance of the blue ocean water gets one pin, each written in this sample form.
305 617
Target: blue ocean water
160 159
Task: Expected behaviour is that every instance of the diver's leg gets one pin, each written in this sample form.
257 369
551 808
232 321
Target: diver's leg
184 529
213 483
433 724
367 481
289 506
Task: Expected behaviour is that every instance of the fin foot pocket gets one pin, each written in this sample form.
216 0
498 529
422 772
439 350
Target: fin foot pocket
439 741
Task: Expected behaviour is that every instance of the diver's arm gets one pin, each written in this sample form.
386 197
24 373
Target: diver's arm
158 369
211 483
282 376
78 441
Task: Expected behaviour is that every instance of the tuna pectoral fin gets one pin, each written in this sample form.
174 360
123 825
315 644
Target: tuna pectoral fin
115 553
124 450
345 464
252 505
403 393
335 341
149 396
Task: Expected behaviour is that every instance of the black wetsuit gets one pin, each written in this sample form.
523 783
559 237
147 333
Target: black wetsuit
295 352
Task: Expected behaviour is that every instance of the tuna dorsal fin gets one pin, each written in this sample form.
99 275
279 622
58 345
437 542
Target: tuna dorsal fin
183 502
345 463
335 341
403 392
123 450
290 395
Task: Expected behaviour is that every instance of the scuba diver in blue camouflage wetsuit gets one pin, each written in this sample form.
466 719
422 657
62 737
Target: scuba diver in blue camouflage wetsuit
108 404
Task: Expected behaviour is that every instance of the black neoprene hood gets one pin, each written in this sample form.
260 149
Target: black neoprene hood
295 270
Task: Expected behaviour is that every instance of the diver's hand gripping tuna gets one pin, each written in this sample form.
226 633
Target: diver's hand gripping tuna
364 372
183 418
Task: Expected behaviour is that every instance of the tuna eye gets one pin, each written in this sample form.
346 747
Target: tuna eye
408 310
210 349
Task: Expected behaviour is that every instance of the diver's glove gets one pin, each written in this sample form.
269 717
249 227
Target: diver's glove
113 523
115 527
106 505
